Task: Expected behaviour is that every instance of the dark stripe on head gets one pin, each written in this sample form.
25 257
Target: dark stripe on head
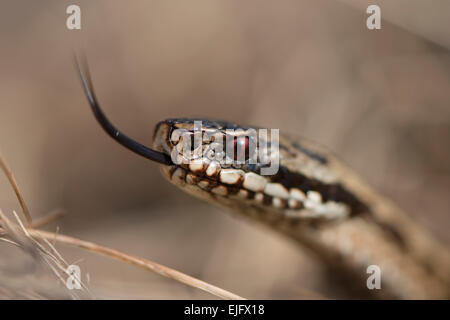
334 192
310 153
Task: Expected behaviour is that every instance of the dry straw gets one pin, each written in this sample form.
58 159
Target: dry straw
39 243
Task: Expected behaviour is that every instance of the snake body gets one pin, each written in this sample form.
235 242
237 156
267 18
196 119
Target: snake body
316 200
312 198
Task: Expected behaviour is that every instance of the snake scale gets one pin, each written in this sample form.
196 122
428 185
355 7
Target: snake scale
313 198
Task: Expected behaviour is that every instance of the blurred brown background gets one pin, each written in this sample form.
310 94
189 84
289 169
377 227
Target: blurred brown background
380 99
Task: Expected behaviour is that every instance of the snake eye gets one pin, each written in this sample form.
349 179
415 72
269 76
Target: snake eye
241 148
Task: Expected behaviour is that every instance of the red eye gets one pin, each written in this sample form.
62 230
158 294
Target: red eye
241 148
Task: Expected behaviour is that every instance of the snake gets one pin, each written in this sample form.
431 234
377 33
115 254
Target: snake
313 198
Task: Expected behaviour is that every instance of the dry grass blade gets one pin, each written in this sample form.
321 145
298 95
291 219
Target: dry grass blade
14 185
140 262
57 263
17 234
49 218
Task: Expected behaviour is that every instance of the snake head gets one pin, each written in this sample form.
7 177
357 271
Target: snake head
216 155
191 142
219 161
224 163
